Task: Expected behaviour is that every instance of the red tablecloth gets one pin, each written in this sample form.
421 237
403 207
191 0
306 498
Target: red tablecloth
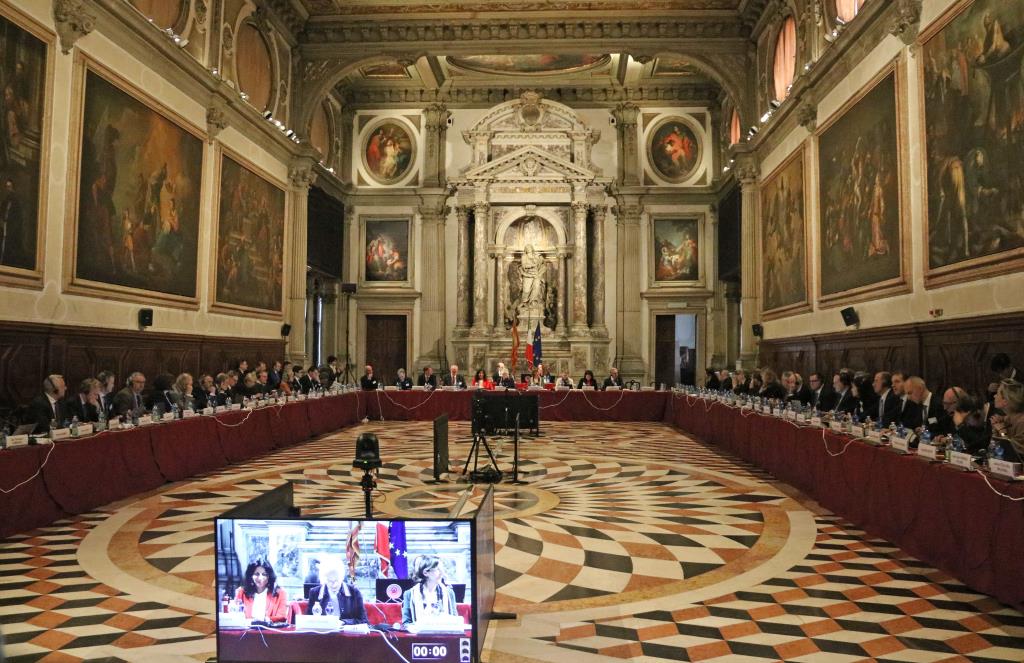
950 519
76 476
572 405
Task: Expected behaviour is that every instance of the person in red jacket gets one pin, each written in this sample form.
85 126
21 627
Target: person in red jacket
262 599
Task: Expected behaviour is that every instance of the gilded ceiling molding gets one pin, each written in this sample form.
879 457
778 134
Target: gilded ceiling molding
561 94
73 22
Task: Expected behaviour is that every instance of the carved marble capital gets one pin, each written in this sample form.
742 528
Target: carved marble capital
301 174
216 119
807 115
73 21
907 21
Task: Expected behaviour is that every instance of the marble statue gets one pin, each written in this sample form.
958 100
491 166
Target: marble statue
531 291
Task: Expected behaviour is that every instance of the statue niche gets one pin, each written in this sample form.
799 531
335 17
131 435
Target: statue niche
531 274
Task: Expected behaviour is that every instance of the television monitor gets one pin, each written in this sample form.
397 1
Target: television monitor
440 446
317 553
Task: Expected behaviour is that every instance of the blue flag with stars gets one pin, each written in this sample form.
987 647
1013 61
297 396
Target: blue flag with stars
536 346
399 554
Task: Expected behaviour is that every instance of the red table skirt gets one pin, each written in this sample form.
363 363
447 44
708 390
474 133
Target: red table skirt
574 405
77 476
950 519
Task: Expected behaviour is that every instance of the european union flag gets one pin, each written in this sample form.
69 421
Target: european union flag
536 346
399 553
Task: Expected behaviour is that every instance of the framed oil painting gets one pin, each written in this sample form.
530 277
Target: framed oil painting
675 249
784 239
389 152
386 251
25 75
135 210
249 267
673 150
971 63
861 252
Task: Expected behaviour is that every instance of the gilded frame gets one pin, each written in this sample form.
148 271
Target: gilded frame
1005 262
71 283
407 284
901 283
217 306
689 285
800 154
17 276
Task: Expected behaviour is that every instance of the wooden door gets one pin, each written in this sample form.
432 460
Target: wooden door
665 350
386 337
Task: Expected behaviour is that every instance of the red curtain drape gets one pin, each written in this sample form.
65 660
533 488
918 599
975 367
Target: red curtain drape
846 10
735 131
785 59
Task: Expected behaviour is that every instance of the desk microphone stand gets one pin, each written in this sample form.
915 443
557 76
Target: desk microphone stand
515 456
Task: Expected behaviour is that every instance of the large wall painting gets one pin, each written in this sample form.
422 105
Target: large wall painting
784 239
973 89
676 249
389 152
386 251
529 65
137 222
861 246
23 103
250 240
674 150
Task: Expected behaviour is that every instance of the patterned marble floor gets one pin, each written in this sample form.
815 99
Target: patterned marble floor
629 542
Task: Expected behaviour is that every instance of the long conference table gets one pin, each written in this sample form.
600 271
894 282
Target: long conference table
965 523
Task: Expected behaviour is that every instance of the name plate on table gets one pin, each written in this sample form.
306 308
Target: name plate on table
390 387
234 620
587 387
961 460
317 622
816 421
836 426
1004 468
613 388
857 430
235 406
168 416
418 387
219 408
901 444
300 397
562 388
17 441
114 423
60 434
875 435
145 420
185 414
930 451
647 388
449 387
85 429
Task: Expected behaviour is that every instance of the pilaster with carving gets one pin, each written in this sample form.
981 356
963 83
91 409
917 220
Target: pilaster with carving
462 277
579 268
629 239
747 172
73 20
481 214
433 333
626 115
599 214
436 125
301 176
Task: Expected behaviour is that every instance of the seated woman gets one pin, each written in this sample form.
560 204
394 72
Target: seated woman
262 599
505 380
564 380
403 381
970 424
430 596
1010 399
481 381
335 597
588 380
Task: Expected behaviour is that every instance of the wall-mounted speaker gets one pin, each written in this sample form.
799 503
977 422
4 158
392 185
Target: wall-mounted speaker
145 318
850 317
758 330
286 329
348 287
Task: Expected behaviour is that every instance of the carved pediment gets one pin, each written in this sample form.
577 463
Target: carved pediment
529 164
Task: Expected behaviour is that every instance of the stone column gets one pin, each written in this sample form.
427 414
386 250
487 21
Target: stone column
563 289
348 147
747 173
463 267
301 176
436 125
499 292
579 268
432 338
625 115
627 320
481 211
716 333
331 342
597 283
312 291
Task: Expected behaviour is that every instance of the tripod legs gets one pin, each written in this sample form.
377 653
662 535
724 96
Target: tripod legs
492 473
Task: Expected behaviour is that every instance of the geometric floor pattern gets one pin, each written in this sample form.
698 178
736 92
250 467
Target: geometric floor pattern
629 542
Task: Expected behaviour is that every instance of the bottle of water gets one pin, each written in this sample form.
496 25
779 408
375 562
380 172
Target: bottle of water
957 443
227 402
926 437
74 426
174 411
901 430
317 611
992 446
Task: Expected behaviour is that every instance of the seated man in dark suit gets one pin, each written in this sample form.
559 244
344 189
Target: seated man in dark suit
823 396
85 405
107 381
888 402
403 381
846 402
907 406
926 412
222 395
311 380
613 379
427 378
453 378
204 391
274 375
772 388
369 381
48 406
295 380
128 401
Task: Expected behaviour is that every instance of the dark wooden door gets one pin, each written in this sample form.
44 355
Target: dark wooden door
665 350
386 346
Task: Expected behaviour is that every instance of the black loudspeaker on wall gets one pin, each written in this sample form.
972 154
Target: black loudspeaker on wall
286 329
348 287
145 317
758 330
850 317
